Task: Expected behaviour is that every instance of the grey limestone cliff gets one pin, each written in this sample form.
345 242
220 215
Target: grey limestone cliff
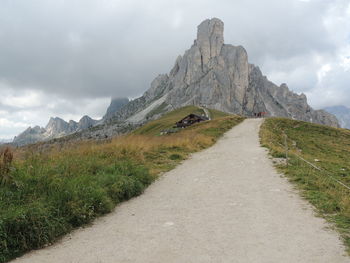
85 123
56 126
115 106
219 76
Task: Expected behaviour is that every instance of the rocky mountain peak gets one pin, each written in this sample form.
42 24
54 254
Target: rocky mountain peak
115 106
86 122
35 129
30 135
85 118
210 38
210 74
56 126
219 76
54 121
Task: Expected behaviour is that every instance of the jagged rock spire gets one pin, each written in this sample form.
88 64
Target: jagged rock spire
210 38
219 76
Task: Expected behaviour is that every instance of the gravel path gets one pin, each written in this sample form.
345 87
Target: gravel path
225 204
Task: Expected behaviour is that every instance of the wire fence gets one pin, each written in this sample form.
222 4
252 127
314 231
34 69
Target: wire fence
325 172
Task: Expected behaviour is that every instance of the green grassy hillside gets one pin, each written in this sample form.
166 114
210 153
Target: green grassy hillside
214 114
327 148
45 194
167 121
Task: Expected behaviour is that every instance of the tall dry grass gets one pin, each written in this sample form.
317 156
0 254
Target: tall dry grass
59 187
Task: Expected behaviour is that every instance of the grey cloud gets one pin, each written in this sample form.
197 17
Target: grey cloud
94 49
334 90
39 107
81 48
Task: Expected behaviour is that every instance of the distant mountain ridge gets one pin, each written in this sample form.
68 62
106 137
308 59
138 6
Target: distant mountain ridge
115 106
219 76
55 128
210 74
342 113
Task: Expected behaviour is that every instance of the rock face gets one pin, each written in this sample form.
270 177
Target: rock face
211 74
219 76
30 135
55 128
116 105
342 113
85 123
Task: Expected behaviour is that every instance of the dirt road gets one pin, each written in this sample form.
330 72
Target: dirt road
225 204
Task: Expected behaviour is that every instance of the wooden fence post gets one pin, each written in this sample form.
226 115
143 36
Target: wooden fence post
286 147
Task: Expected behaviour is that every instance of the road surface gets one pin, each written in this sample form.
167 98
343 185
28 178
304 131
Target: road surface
224 204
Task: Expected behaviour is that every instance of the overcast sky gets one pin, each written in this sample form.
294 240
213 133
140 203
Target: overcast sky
67 58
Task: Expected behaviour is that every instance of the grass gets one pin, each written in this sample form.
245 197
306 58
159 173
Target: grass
167 121
327 148
214 114
52 190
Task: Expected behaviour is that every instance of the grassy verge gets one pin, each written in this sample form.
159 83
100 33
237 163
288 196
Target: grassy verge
327 148
47 194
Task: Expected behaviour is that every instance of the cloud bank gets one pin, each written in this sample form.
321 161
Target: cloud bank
67 58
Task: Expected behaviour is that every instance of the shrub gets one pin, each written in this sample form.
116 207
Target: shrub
175 156
6 158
